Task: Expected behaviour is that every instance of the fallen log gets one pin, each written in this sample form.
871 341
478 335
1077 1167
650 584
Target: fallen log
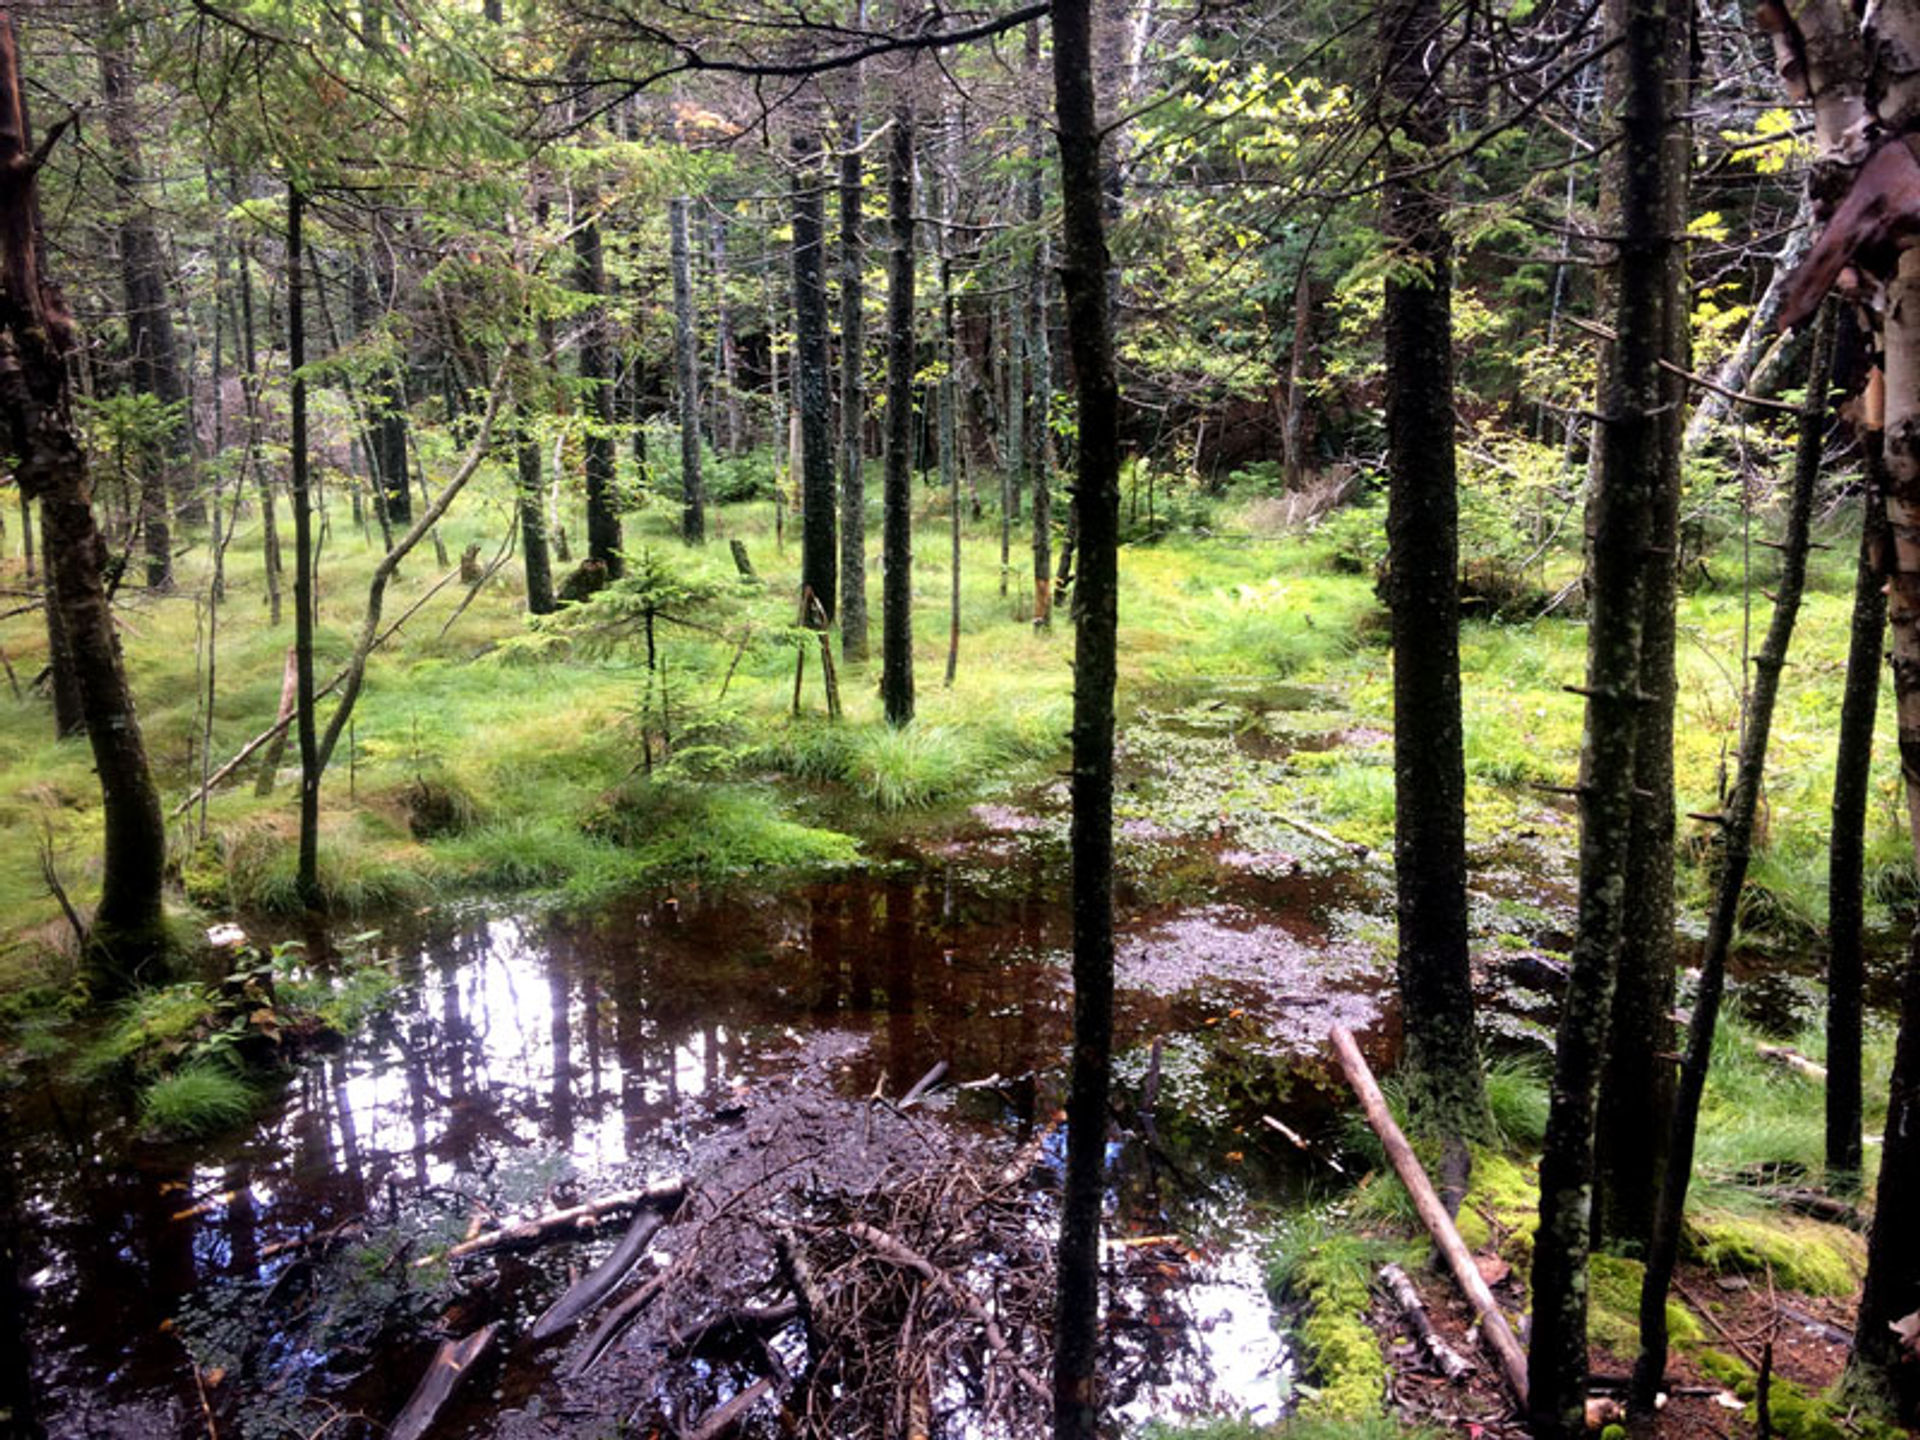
1817 1205
1493 1324
666 1194
450 1365
617 1320
599 1283
924 1084
1832 1334
1793 1060
1447 1360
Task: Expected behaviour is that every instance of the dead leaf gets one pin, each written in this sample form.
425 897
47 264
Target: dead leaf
1492 1268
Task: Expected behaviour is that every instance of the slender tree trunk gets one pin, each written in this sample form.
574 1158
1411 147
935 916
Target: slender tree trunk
387 403
26 534
686 366
533 516
947 166
250 396
1637 1085
1892 1288
1852 780
1628 470
726 363
69 705
128 936
1016 433
596 401
1442 1059
896 606
166 477
1737 833
853 400
1096 612
1041 356
303 616
819 565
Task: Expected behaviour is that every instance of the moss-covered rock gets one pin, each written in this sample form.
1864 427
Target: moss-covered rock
1613 1307
1801 1254
1502 1208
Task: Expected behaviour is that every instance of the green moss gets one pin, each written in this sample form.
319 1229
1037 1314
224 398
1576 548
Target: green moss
1801 1254
1328 1269
203 875
1613 1307
148 1030
1795 1414
1502 1208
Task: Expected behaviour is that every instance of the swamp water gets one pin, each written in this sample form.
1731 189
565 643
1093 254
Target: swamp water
532 1060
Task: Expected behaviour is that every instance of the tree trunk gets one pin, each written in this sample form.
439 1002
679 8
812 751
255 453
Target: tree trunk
1737 832
36 342
1041 359
387 404
726 366
1637 1084
853 403
949 172
896 604
1442 1059
308 880
166 477
1096 613
533 520
686 368
1852 780
818 562
596 401
263 481
1892 1287
1625 496
1016 432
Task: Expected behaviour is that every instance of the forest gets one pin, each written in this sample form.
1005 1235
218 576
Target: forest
1141 718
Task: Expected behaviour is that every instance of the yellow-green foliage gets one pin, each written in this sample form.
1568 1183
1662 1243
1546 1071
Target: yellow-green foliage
1327 1269
1502 1208
1801 1254
1796 1415
1613 1307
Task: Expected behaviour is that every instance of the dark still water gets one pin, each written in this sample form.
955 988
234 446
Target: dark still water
267 1281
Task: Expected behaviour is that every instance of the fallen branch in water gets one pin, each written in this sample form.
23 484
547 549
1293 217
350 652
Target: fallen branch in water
450 1365
596 1286
584 1216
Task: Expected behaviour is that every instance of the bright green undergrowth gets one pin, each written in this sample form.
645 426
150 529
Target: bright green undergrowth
475 763
198 1100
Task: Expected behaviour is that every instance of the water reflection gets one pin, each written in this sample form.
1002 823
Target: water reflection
525 1051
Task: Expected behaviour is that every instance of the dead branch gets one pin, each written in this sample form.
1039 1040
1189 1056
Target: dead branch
1447 1360
558 1223
450 1365
1493 1323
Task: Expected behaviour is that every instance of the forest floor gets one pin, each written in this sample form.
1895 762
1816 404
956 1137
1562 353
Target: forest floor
1255 819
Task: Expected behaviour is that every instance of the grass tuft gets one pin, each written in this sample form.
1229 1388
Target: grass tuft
198 1100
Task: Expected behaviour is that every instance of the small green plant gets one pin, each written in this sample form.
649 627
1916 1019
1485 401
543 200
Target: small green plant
198 1100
